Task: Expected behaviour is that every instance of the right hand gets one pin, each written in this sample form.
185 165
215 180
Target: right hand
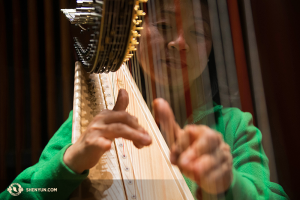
106 126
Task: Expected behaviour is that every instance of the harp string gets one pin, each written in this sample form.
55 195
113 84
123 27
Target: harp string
195 93
127 146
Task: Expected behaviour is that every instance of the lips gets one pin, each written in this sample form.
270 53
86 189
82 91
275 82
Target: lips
174 63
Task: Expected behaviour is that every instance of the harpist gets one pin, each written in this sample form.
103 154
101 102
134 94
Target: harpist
224 159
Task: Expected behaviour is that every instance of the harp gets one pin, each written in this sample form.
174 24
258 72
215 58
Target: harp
124 172
113 28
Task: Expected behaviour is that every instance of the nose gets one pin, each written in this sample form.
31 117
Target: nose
180 43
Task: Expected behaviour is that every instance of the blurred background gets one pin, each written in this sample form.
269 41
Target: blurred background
37 69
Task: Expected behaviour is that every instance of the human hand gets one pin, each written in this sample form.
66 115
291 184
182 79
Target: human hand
199 151
106 126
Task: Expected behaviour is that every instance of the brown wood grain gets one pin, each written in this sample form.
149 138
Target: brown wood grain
18 77
50 67
66 61
3 97
35 88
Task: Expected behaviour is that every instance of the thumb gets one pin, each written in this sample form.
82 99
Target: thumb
122 101
165 117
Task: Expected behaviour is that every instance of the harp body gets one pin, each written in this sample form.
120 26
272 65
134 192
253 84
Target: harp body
124 172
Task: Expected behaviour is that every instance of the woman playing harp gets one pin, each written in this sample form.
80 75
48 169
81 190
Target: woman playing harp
220 154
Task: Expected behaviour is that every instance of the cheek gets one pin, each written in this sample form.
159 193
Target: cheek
198 58
151 43
201 50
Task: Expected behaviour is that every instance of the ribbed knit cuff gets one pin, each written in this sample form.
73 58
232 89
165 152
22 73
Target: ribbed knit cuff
56 174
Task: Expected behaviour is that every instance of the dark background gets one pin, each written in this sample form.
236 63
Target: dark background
36 81
36 91
278 37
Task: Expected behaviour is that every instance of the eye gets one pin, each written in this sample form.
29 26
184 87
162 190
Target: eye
198 33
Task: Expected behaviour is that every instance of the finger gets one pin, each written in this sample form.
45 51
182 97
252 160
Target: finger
225 147
165 117
220 178
187 138
205 140
186 163
207 163
104 144
122 101
163 114
182 143
120 117
192 165
186 158
117 130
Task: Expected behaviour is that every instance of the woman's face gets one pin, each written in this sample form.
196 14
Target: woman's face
175 42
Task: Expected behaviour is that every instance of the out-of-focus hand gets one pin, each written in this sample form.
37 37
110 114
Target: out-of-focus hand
199 151
97 139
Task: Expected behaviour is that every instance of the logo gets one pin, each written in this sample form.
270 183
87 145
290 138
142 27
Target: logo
15 189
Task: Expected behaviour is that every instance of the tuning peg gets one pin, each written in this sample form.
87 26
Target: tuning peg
135 22
139 28
134 41
135 34
140 12
132 48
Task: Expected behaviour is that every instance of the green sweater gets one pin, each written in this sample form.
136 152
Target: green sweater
250 164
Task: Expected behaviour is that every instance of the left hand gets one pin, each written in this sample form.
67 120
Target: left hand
199 151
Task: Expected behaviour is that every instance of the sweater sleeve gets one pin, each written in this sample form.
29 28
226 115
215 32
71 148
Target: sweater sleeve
251 176
50 178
